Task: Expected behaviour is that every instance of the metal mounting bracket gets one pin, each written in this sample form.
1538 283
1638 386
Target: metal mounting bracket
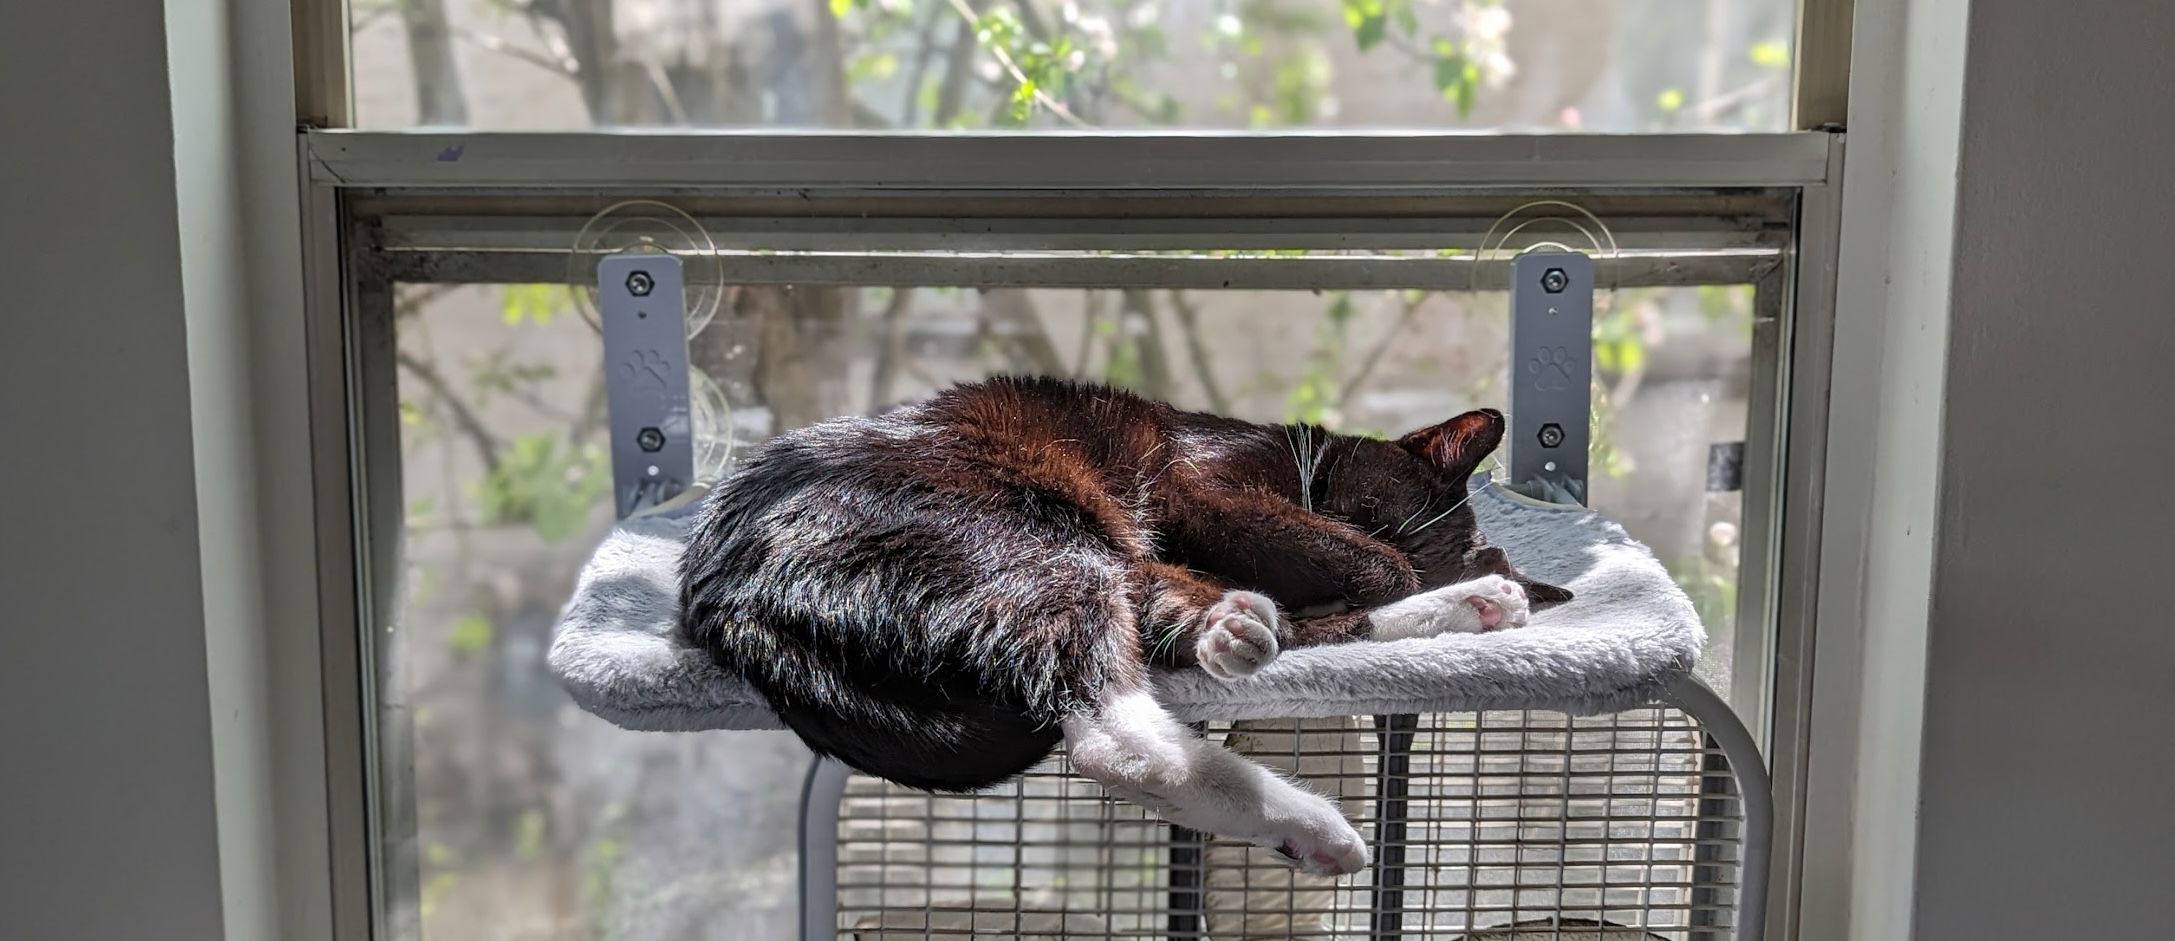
1551 381
643 309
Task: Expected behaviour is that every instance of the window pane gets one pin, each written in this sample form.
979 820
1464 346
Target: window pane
1609 66
535 819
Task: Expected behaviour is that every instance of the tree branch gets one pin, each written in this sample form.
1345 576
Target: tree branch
1019 76
1155 360
414 299
1027 343
1189 322
910 109
1381 348
958 66
439 98
1031 18
1090 311
665 92
464 418
1733 99
565 68
893 350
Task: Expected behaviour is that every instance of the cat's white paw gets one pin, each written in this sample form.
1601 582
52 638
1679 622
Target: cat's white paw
1240 638
1500 604
1487 603
1320 842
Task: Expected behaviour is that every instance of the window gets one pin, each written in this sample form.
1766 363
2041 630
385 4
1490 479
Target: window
1298 263
1376 318
1524 65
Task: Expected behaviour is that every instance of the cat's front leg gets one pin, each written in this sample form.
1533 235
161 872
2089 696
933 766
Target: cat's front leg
1487 603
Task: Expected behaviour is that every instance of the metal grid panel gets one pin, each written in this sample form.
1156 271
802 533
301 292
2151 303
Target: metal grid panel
1528 819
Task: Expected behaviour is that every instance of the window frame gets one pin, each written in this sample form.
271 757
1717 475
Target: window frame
368 189
346 452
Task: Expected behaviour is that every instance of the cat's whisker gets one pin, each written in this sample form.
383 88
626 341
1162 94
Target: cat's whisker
1307 463
1485 484
1167 642
1424 504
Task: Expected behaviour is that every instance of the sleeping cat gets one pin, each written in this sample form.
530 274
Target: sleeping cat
939 594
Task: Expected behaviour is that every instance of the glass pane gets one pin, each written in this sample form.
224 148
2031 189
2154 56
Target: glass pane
1610 66
536 820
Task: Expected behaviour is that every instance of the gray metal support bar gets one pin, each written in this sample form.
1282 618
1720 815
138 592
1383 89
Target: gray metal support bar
821 793
1719 723
1386 916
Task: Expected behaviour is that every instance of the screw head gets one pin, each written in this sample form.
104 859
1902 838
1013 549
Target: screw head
650 439
1554 280
639 283
1551 435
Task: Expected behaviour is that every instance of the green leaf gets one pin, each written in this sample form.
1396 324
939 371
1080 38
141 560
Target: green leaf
1340 309
531 302
932 89
420 510
1368 20
529 839
552 488
1370 33
1670 100
1022 104
872 65
498 373
1449 68
1771 55
998 27
1407 17
471 634
1300 83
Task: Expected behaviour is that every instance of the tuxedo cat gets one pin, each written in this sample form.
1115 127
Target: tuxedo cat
939 594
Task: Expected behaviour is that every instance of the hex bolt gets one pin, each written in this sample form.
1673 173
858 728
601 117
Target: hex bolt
639 283
1554 281
650 439
1551 435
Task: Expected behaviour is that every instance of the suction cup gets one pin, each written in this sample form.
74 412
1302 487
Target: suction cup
711 414
646 225
1553 225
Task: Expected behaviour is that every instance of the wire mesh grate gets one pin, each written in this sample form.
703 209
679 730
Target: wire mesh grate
1499 826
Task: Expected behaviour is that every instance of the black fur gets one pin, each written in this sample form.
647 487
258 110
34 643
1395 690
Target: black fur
926 594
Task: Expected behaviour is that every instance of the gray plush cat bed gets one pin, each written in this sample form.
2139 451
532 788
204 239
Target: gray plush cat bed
1629 634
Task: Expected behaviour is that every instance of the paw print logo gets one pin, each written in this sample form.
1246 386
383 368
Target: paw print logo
646 369
1551 369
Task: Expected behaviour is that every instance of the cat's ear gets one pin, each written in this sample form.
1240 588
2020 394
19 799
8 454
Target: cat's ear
1491 560
1457 445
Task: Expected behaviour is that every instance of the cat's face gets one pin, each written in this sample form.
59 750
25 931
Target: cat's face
1413 494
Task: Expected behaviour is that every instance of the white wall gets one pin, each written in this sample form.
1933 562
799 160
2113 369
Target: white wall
1883 465
2048 790
1991 750
159 549
105 730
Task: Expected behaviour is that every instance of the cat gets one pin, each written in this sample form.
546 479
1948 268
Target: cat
938 595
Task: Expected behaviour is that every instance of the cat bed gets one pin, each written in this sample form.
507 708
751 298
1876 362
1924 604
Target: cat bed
1629 634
